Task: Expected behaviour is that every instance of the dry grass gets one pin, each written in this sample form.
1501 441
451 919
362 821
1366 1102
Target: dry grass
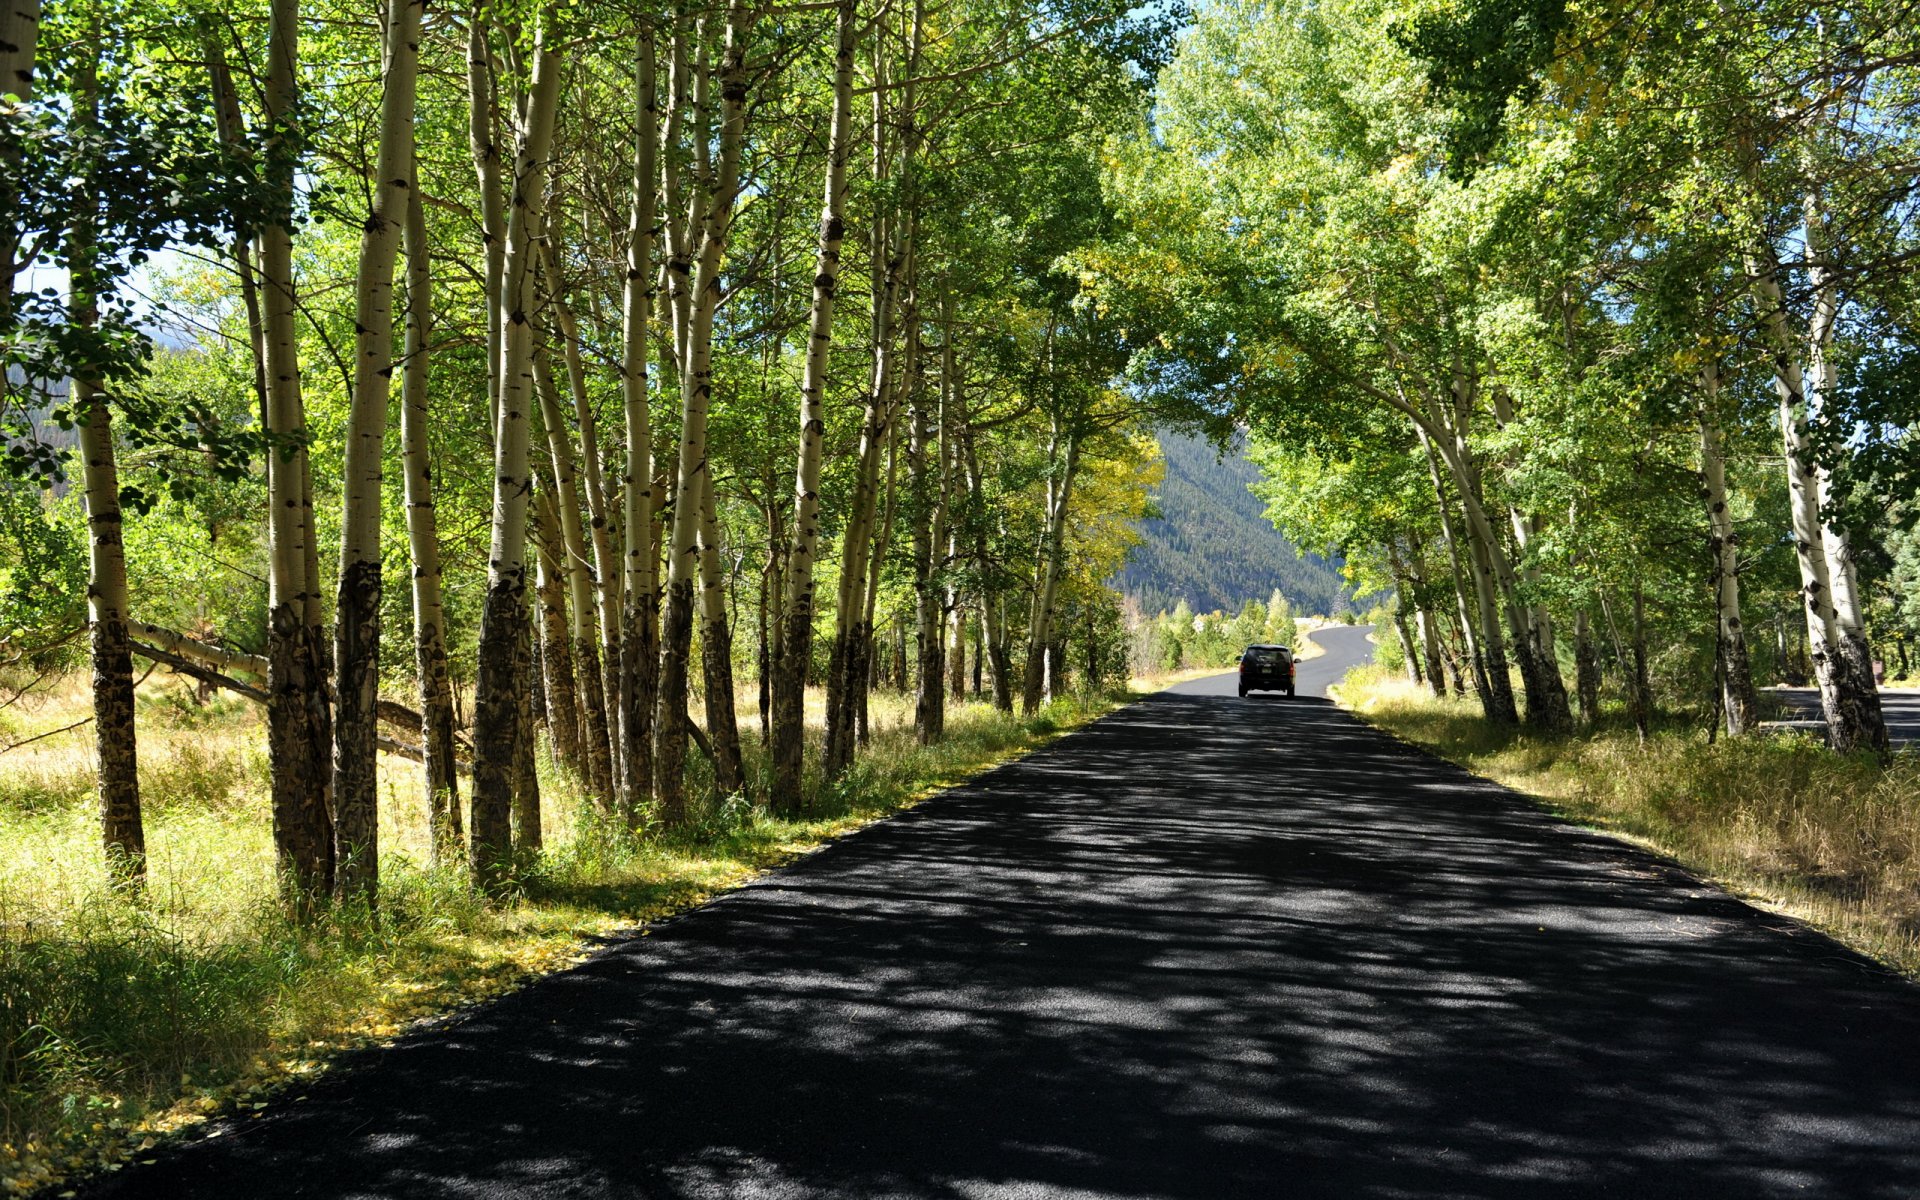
123 1021
1831 839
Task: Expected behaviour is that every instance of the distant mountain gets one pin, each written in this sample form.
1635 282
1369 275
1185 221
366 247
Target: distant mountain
1212 547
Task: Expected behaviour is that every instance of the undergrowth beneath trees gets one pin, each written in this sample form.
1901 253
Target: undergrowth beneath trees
1831 839
123 1020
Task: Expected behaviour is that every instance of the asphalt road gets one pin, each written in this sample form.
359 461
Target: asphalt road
1900 707
1206 948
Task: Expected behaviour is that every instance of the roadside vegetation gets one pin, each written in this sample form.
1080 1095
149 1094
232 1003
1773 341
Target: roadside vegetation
1832 839
124 1018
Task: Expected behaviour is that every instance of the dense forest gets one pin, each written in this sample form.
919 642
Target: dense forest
1210 543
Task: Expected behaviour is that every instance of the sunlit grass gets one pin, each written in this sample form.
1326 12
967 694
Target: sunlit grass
121 1020
1831 839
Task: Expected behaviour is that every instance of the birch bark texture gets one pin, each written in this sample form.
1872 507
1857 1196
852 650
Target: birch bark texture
356 827
423 546
497 700
299 718
795 648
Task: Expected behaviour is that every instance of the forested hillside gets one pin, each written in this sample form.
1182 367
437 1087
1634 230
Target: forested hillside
1212 544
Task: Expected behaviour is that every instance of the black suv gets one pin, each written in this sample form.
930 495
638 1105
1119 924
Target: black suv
1266 669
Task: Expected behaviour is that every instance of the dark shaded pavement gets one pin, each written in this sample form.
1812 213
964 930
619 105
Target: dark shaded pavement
1205 948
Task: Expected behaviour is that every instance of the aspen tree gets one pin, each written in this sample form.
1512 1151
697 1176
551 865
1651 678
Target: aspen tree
423 545
122 829
497 699
722 185
357 604
796 642
591 691
299 720
639 642
1739 703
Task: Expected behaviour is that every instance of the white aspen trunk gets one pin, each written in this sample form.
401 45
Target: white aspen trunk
1850 703
893 247
639 641
298 717
1547 704
19 44
607 576
122 830
876 562
19 41
788 721
1040 625
497 696
356 828
584 644
991 627
423 544
670 718
1738 701
484 145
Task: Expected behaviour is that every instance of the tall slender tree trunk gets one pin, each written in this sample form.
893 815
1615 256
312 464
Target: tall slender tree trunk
716 651
356 827
595 745
556 652
1738 700
639 639
121 828
926 467
1586 664
497 697
607 578
796 639
1052 559
19 46
527 835
696 386
1842 660
299 720
423 544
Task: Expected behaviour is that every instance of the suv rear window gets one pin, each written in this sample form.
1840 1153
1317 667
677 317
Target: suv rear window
1267 658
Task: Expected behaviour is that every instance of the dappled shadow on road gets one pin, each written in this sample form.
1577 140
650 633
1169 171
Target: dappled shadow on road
1206 948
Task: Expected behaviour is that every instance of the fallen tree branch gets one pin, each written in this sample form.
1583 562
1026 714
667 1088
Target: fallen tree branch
217 657
207 674
200 671
179 645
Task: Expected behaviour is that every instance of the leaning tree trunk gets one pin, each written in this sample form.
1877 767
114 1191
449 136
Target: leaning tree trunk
796 640
1737 697
299 721
356 829
1848 697
423 544
497 702
113 725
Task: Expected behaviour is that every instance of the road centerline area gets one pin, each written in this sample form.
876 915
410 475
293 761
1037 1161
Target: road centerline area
1205 947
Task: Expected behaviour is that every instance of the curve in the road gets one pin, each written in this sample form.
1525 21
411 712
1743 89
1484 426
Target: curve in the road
1204 948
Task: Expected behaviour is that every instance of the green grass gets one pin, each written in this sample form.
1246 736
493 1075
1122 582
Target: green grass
1831 839
121 1022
